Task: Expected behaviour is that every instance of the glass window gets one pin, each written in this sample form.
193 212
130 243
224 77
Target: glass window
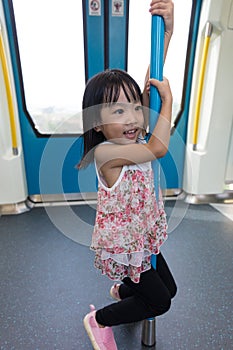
50 37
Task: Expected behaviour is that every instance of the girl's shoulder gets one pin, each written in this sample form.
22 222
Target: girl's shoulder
127 170
100 146
113 159
140 166
130 169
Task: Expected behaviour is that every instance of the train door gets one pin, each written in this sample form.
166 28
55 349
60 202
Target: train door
55 47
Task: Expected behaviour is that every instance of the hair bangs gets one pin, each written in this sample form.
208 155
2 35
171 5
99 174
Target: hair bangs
117 80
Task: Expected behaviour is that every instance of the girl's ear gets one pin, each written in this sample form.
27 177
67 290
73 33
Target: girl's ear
97 128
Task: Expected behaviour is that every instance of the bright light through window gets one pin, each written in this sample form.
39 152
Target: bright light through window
50 35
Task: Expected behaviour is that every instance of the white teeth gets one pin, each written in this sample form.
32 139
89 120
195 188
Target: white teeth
130 132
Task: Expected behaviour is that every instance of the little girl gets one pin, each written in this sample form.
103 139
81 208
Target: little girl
130 221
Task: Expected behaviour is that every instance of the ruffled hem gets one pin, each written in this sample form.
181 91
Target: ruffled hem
134 258
131 264
117 272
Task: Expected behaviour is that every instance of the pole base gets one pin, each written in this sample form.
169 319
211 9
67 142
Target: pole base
148 332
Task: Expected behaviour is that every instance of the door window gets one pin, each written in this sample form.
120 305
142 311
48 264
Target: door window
50 38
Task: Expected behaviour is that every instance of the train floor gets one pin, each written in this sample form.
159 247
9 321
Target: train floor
47 280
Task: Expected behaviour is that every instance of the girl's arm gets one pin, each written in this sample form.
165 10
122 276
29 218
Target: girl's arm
159 140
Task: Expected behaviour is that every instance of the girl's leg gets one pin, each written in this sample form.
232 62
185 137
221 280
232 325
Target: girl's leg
151 298
126 291
166 275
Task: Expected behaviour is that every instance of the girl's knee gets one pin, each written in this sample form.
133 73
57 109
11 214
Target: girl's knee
161 308
173 291
164 307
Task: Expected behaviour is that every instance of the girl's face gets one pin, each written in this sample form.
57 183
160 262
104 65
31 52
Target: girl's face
122 122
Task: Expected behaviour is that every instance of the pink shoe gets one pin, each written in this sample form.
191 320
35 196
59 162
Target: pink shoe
114 292
101 338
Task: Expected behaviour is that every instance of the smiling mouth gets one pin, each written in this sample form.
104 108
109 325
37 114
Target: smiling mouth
130 133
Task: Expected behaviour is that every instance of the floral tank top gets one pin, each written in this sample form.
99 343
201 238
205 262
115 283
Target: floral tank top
130 224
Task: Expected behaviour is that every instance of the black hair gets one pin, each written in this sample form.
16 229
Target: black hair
103 88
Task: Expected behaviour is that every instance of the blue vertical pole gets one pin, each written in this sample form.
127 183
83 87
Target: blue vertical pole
156 71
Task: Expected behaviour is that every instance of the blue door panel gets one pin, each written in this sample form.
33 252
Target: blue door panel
94 39
118 36
172 164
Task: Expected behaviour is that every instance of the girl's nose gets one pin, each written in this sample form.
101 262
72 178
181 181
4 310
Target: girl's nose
131 118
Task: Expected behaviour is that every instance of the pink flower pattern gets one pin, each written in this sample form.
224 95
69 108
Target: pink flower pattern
130 225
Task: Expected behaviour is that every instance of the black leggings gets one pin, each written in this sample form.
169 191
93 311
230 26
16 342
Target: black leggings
149 298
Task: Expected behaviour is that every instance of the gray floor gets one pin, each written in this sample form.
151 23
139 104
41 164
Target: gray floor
48 281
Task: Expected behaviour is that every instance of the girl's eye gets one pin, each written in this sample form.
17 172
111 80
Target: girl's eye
138 108
119 111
